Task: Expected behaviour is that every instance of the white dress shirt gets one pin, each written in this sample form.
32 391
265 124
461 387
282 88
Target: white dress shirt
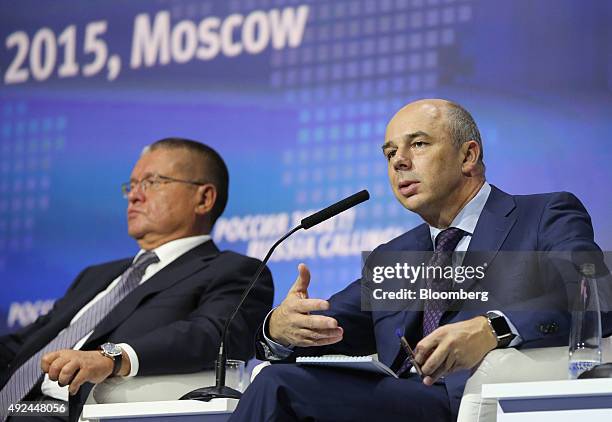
166 253
467 219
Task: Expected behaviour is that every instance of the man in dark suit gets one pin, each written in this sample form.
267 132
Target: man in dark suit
434 154
160 313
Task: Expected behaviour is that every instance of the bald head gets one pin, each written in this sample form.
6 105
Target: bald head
434 155
457 121
431 106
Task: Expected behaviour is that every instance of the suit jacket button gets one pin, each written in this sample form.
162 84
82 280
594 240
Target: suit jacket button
554 327
543 329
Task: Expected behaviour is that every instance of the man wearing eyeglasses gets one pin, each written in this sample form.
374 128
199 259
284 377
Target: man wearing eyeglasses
160 312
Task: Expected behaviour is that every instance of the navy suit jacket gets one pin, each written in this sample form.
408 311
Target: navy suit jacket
173 321
543 222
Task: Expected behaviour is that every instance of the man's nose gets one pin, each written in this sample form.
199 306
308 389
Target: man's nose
135 194
401 160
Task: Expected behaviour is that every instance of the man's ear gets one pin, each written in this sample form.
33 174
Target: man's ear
207 196
470 151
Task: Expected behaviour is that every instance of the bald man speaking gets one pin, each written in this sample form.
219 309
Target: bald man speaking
434 157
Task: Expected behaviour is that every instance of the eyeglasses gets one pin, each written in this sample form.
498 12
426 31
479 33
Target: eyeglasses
153 183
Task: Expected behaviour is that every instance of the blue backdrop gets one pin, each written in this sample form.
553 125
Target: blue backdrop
295 95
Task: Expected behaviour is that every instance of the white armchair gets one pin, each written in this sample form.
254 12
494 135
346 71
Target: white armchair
512 365
156 387
149 388
153 396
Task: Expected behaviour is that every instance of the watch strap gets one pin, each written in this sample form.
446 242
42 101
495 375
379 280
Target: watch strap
116 361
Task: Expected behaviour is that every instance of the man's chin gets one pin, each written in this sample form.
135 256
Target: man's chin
135 233
411 203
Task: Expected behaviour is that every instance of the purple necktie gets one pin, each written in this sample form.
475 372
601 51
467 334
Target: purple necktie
446 242
28 374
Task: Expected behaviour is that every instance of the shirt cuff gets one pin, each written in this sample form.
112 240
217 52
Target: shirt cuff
517 337
134 366
272 349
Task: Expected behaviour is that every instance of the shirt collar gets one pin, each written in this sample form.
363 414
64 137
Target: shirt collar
169 251
467 218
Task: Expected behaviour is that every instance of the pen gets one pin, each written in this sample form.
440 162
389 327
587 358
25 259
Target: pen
409 352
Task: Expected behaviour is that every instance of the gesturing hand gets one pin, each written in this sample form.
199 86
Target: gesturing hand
292 324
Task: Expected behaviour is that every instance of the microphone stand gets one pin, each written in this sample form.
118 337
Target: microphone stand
220 390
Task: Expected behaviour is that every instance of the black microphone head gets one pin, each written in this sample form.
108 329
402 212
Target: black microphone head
335 209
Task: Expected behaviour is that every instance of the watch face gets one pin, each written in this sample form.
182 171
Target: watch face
500 325
111 349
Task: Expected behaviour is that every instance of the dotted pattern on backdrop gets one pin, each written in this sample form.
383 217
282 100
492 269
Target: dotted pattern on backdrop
359 62
28 143
181 9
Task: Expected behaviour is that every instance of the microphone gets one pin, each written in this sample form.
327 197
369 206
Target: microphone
335 209
220 390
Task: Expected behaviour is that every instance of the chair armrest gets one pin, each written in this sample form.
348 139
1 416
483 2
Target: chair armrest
257 369
509 365
512 365
156 387
150 388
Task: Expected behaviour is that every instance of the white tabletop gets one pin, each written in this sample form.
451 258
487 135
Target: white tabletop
560 388
158 408
552 401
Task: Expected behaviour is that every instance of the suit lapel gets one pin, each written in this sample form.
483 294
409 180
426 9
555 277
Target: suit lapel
92 284
422 240
98 282
423 243
418 241
492 229
186 265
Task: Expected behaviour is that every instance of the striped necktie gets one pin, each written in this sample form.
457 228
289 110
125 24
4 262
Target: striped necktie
446 242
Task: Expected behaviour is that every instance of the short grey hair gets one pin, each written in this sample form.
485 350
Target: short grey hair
210 163
462 127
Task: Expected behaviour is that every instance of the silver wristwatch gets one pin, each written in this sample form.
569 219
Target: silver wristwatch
111 350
